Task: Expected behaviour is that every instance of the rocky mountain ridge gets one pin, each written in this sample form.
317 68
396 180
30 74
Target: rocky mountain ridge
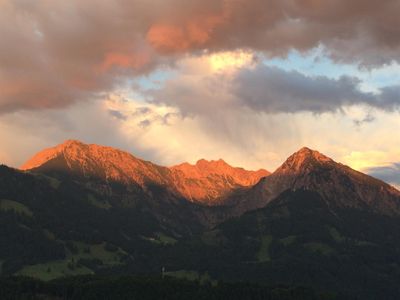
84 209
207 182
339 185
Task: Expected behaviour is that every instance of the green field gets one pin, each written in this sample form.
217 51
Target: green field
191 275
183 274
71 266
165 239
161 239
363 243
263 253
335 234
319 248
54 269
54 183
98 251
19 208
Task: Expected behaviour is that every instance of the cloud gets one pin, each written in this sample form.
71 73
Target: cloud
239 136
117 114
55 53
364 31
389 173
27 132
202 89
366 159
272 90
368 118
170 138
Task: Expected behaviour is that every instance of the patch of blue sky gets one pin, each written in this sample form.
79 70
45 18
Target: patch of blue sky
312 63
385 76
133 94
155 79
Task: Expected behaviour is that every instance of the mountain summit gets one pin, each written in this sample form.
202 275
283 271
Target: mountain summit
206 182
204 168
340 186
303 161
102 210
218 183
209 180
94 161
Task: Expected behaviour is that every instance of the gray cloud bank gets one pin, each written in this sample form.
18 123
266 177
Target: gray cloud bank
390 174
273 90
54 53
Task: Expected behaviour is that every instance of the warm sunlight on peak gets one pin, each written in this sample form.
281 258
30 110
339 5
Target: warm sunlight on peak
230 60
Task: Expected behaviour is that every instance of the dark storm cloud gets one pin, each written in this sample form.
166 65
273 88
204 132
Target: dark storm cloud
117 114
273 90
54 53
390 174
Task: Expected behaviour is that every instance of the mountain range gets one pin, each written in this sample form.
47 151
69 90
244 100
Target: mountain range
82 209
205 182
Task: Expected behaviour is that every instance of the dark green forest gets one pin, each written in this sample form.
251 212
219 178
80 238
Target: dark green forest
129 287
53 228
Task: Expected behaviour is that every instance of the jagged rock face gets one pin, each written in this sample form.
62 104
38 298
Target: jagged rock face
215 183
97 162
206 182
339 185
211 180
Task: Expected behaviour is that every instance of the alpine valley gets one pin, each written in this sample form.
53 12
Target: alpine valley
86 209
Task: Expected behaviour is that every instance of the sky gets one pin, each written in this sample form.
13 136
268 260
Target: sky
249 81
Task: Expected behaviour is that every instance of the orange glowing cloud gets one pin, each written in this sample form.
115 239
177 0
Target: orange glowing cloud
17 90
116 59
82 83
168 37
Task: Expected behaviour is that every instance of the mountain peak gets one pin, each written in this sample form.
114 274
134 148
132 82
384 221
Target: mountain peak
210 180
204 181
91 160
205 168
305 159
202 160
48 154
307 152
337 184
67 143
203 163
